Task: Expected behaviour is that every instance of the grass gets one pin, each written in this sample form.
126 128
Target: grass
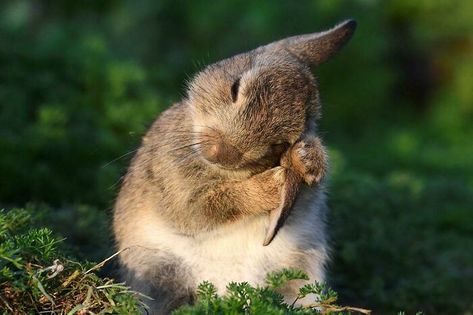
401 242
36 277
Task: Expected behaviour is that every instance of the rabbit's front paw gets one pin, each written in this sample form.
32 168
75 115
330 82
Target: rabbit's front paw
269 185
309 159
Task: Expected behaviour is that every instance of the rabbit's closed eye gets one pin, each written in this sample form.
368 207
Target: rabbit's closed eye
234 90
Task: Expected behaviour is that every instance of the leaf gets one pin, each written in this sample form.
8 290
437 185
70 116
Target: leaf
280 278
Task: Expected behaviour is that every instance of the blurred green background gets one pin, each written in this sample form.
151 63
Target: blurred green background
80 81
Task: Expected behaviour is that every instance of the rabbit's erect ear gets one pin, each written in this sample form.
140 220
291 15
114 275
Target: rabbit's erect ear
316 48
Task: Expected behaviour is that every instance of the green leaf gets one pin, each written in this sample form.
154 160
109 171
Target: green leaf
280 278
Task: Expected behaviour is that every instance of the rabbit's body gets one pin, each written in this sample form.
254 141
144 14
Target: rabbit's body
161 248
194 203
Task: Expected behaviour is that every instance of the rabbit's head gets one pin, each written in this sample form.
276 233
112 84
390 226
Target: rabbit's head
246 110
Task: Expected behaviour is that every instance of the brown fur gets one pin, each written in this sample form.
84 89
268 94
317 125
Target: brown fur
214 159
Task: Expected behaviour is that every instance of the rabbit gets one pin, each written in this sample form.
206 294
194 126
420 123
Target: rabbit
196 201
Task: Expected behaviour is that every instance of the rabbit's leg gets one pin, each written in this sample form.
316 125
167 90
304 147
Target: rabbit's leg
161 276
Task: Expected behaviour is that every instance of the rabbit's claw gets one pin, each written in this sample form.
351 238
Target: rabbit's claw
309 159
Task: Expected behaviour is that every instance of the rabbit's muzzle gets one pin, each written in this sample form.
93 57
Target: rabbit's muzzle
222 153
218 149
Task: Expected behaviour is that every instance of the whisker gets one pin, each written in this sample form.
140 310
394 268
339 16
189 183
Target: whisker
120 157
188 146
185 158
115 184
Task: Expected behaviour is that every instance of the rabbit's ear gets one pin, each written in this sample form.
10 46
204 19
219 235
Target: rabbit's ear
314 49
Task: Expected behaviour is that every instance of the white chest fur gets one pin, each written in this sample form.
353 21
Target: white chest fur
235 252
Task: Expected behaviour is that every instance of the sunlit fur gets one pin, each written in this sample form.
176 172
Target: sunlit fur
180 219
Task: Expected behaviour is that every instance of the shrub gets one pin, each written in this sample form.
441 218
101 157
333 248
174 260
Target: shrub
242 298
36 277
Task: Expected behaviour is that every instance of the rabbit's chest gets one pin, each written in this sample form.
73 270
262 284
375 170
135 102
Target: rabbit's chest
236 253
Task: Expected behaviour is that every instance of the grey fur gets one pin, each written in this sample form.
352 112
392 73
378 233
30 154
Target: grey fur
195 201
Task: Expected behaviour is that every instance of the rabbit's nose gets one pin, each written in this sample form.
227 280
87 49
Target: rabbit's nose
221 153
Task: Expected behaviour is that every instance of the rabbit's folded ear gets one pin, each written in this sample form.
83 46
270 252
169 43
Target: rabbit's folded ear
314 49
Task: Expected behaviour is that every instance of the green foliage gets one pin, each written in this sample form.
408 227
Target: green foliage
416 227
36 277
242 298
278 279
68 106
324 293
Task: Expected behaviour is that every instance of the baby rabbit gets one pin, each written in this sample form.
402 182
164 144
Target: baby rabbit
195 203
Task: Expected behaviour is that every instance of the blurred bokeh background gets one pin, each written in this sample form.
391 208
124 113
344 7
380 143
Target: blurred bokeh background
80 81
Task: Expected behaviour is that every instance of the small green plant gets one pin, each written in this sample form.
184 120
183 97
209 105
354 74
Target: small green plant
36 277
243 298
